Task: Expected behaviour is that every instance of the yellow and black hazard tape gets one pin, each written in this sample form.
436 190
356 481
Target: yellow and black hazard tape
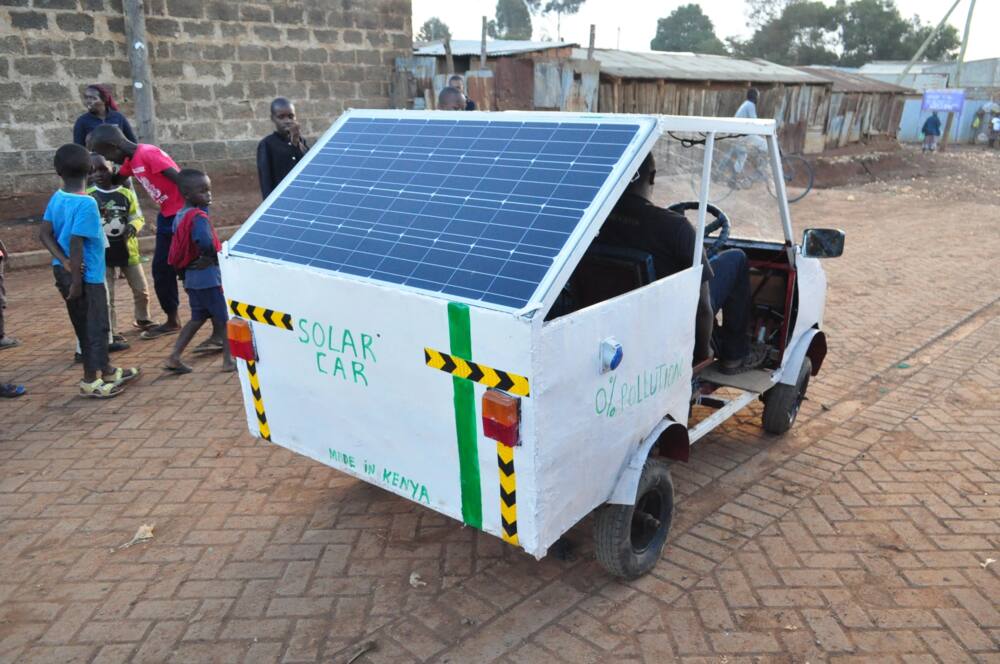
258 402
508 494
477 373
261 315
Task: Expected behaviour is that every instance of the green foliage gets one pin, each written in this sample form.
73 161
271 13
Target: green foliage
875 30
555 6
687 29
513 21
804 33
433 29
850 33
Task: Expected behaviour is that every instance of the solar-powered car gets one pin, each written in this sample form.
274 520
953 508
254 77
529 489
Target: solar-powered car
400 306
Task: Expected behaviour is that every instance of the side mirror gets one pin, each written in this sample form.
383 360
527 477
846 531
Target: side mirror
823 242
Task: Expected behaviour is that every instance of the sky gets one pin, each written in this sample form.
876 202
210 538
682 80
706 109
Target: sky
631 24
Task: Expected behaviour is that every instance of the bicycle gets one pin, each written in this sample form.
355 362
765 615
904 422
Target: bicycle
726 177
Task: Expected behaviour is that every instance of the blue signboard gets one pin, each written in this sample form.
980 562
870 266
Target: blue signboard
947 101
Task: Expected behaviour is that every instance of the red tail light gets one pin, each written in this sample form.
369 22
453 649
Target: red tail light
502 417
241 339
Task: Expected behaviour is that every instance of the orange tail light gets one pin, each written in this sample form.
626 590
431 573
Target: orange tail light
241 339
501 417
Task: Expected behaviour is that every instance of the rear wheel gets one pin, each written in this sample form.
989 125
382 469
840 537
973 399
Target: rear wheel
782 402
630 538
799 177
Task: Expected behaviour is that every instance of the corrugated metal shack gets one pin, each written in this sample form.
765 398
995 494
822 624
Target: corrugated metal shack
714 85
859 108
816 108
980 80
509 66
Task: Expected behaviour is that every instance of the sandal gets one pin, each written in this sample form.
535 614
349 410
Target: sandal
9 342
10 390
158 331
179 370
100 389
208 346
122 376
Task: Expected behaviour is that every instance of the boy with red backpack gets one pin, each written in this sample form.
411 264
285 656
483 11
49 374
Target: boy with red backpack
194 254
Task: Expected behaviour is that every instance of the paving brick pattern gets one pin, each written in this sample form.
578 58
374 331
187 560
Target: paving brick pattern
859 536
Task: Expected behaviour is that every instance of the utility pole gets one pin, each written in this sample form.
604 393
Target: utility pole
590 48
958 72
448 59
482 49
138 57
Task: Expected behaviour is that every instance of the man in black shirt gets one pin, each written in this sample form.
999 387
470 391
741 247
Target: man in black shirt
278 153
637 223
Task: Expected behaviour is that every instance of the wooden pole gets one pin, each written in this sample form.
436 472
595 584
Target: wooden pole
482 50
138 57
448 59
590 48
958 73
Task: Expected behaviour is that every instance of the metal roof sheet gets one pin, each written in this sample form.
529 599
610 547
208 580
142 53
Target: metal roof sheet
895 67
694 66
493 48
845 81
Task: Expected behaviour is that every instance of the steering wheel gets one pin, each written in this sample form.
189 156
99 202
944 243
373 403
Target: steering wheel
719 223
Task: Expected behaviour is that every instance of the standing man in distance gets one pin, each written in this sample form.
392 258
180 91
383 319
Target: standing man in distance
457 82
278 153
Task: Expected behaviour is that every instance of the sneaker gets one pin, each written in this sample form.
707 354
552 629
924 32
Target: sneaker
77 358
116 346
9 342
144 324
754 358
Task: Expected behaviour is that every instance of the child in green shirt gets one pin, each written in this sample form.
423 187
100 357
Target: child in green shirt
122 221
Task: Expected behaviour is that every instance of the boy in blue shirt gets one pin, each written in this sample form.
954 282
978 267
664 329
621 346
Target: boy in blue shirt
194 253
73 234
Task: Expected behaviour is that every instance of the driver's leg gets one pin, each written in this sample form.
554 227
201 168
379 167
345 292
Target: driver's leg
730 289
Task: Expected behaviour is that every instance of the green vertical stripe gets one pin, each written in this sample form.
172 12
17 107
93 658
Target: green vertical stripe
460 331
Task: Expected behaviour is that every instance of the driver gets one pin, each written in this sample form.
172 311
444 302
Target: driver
636 222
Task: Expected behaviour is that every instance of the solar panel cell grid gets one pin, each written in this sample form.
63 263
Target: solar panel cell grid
472 209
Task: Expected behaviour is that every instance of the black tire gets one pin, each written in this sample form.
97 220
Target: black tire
629 539
782 402
799 170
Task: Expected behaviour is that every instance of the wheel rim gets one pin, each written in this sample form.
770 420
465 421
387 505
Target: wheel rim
647 519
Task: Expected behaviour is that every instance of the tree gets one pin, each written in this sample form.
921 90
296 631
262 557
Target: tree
513 21
433 29
559 7
850 33
687 29
760 12
805 33
942 47
875 30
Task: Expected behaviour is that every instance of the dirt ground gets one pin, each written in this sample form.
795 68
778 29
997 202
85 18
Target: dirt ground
868 533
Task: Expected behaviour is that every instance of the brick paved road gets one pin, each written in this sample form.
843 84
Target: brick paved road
860 536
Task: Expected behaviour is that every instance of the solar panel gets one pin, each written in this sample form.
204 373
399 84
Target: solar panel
472 209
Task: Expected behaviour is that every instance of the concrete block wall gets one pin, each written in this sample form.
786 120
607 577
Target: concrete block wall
216 65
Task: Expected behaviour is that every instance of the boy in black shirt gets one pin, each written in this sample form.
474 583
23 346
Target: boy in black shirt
278 153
